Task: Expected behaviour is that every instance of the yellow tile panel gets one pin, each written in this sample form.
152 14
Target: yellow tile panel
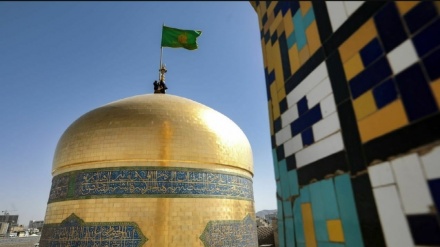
263 8
269 56
277 64
271 119
309 227
304 54
281 94
294 59
387 119
405 6
266 25
437 3
364 105
280 85
270 19
281 27
276 23
288 23
435 87
335 233
358 40
305 7
275 105
353 66
313 40
271 6
264 52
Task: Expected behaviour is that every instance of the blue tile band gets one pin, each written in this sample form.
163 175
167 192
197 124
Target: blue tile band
73 231
60 187
149 182
240 233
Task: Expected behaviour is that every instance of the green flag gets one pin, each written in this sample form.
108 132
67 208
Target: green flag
173 37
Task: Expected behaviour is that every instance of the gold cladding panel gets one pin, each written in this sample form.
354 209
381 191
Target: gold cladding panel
121 164
150 128
164 221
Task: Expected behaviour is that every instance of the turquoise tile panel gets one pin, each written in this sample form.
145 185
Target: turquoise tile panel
297 218
318 209
285 192
304 194
290 234
275 164
309 18
282 167
329 199
280 214
287 209
301 244
293 182
281 229
347 210
300 31
291 40
278 187
329 244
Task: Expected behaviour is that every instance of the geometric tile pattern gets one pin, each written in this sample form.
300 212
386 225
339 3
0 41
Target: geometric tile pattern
350 83
408 181
149 182
324 215
73 231
339 11
383 64
240 233
289 33
310 123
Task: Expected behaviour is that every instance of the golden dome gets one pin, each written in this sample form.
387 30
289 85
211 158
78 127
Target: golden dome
153 128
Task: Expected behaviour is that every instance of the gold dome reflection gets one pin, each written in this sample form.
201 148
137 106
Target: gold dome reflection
153 127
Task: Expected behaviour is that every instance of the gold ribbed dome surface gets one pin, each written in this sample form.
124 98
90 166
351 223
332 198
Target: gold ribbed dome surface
153 127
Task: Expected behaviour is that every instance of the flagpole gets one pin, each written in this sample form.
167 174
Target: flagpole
161 51
160 63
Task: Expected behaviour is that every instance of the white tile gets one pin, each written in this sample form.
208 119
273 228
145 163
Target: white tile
352 6
326 127
319 92
293 145
381 174
283 135
413 187
336 12
319 150
392 219
431 163
289 116
402 56
328 106
313 79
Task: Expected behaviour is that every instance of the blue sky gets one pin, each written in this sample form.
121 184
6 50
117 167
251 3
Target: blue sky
59 60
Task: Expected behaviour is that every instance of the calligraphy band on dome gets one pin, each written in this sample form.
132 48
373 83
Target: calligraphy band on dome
149 182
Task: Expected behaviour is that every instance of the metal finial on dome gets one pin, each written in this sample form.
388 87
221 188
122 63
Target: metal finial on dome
161 87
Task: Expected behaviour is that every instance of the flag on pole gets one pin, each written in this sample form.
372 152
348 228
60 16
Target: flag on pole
175 38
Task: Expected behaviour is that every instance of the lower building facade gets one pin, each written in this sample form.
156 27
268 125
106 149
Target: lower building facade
353 91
